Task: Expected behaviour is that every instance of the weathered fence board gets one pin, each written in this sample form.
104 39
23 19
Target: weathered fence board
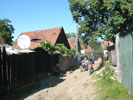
66 62
126 53
112 54
19 70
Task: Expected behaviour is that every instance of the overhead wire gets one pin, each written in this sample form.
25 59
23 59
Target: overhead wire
64 5
69 25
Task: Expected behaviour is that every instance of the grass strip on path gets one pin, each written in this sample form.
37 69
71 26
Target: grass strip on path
108 87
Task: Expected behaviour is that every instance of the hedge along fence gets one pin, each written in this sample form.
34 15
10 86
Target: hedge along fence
19 70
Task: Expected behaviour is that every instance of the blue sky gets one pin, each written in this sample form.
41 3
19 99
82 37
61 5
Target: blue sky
30 15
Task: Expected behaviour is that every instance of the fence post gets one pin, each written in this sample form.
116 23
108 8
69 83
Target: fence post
1 85
117 46
4 71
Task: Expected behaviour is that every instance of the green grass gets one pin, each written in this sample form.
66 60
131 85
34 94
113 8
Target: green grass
114 91
110 89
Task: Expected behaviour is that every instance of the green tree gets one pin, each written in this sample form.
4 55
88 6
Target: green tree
96 46
102 18
70 35
6 30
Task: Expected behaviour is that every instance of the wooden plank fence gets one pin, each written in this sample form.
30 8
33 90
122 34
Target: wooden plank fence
68 61
112 54
3 71
19 70
126 54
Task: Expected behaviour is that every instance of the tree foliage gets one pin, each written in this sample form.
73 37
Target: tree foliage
47 46
6 30
70 35
72 52
102 18
64 51
96 46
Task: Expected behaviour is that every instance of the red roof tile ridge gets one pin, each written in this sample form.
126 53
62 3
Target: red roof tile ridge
44 30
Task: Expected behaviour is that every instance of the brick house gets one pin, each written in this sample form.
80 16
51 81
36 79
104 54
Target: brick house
54 35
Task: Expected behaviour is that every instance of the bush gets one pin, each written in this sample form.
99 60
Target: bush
47 46
72 52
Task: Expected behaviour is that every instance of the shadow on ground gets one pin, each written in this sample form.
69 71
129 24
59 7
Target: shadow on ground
40 84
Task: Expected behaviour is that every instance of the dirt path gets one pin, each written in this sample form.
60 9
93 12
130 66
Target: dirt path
71 86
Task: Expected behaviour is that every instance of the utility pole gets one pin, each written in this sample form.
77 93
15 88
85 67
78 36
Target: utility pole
77 38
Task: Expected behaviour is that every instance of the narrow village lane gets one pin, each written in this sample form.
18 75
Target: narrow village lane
75 85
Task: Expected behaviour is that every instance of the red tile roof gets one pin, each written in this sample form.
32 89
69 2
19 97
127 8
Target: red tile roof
41 35
1 40
72 42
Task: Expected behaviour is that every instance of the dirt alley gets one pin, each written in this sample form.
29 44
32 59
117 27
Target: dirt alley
74 85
